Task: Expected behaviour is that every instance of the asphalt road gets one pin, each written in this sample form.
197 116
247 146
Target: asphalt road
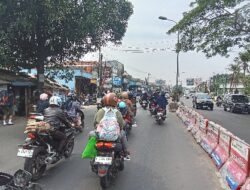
238 124
163 158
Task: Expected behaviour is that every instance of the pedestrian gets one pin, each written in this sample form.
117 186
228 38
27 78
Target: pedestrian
7 106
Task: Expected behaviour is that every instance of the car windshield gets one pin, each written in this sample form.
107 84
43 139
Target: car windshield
240 99
203 96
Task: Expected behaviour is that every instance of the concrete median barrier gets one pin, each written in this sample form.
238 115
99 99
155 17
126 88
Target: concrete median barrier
221 153
236 169
230 154
210 141
246 186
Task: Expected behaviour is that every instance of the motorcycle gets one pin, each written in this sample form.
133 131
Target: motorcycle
152 108
21 180
160 116
128 124
108 162
98 106
75 121
218 103
35 117
40 149
144 104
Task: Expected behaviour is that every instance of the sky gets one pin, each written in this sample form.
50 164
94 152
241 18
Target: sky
147 34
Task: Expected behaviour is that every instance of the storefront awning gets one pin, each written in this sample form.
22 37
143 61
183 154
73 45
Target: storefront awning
4 82
22 83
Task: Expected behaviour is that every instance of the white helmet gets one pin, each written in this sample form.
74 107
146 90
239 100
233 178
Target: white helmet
55 100
44 96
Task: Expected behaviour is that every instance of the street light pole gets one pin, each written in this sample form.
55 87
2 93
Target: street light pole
177 61
177 50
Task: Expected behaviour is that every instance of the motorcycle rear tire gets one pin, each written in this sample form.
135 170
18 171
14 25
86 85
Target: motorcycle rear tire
105 181
121 167
31 163
69 147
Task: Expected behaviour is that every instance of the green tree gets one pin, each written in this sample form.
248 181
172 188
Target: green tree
243 59
247 85
236 76
215 26
43 34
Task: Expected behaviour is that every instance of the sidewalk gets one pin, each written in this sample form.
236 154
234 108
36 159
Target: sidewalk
10 137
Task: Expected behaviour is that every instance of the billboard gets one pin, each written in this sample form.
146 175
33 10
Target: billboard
190 82
117 81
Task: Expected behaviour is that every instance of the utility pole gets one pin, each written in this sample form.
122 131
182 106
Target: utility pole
100 71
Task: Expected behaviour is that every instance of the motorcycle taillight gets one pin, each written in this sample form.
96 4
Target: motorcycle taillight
105 144
31 136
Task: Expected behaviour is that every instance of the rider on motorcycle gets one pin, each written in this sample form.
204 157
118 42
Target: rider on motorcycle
43 103
55 116
125 98
110 101
73 107
162 102
122 107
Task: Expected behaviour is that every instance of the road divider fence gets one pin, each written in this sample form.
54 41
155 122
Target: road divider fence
229 153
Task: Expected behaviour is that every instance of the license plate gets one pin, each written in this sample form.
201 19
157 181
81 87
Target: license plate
103 160
25 153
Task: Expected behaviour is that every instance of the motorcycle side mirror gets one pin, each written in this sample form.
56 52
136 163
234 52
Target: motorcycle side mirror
22 178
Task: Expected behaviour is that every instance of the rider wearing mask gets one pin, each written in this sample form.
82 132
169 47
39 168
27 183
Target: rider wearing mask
162 102
43 103
110 101
55 116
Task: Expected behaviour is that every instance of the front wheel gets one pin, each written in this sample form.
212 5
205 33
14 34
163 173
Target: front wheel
36 165
105 181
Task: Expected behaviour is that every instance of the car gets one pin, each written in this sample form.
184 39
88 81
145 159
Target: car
203 100
236 103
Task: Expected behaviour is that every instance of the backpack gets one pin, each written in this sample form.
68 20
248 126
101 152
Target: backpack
108 129
4 98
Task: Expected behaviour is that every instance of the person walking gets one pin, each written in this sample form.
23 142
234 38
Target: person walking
7 106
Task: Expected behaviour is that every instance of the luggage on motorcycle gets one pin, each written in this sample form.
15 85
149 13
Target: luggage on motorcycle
108 129
90 150
40 126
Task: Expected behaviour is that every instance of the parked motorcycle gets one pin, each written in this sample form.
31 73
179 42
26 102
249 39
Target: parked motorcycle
144 104
40 150
160 117
20 181
108 162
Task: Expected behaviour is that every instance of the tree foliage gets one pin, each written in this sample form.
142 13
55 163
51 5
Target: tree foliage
215 26
46 33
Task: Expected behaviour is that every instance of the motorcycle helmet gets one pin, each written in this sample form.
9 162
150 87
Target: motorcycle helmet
130 95
44 96
163 93
122 107
55 100
110 100
124 95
